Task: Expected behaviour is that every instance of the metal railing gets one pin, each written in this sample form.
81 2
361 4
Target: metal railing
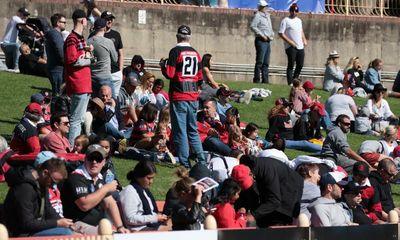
363 7
346 7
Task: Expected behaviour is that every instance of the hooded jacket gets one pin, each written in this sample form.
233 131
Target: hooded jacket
23 203
327 212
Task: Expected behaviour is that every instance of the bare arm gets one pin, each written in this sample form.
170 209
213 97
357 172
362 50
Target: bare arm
112 209
303 37
353 155
210 77
121 58
287 39
89 201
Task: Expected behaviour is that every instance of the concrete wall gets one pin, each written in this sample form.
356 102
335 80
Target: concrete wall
225 32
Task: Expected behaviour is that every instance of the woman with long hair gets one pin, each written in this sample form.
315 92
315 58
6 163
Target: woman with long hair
373 74
144 92
379 109
139 208
209 86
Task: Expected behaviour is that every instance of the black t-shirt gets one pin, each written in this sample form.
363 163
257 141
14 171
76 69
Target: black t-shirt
116 38
28 64
360 217
77 186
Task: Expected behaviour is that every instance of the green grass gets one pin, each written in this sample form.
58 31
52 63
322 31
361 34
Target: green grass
16 89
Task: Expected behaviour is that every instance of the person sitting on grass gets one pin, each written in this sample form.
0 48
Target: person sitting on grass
139 208
143 133
144 92
225 214
162 98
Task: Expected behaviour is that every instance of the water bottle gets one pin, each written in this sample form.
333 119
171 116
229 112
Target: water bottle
109 176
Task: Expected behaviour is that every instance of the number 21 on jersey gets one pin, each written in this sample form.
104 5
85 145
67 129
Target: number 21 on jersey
190 65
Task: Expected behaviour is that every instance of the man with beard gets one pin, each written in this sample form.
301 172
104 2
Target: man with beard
325 211
336 147
55 53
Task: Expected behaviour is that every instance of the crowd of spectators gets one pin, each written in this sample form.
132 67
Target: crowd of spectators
99 113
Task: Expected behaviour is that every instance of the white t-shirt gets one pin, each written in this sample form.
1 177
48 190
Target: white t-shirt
11 30
381 112
293 28
339 104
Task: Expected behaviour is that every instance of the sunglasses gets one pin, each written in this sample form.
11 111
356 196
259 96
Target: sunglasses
91 160
346 123
65 123
62 22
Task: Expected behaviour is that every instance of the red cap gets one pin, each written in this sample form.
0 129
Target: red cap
308 85
35 108
319 107
241 174
396 152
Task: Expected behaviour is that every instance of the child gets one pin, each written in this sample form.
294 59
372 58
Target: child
236 140
108 170
81 144
163 129
143 133
254 142
188 213
362 123
225 214
162 98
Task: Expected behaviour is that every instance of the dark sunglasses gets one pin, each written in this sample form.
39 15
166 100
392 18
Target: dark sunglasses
62 22
95 159
346 124
65 123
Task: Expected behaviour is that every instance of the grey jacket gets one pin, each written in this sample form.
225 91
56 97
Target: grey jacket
261 25
327 212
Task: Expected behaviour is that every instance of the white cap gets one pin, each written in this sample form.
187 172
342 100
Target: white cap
262 3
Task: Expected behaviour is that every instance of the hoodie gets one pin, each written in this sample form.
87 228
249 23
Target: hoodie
327 212
23 202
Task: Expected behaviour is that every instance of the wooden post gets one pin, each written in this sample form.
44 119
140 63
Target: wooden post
347 7
3 232
105 229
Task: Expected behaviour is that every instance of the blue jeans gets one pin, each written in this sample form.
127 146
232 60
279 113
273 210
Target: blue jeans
97 83
109 129
263 52
116 81
58 231
214 144
184 130
56 77
79 103
303 145
11 53
326 122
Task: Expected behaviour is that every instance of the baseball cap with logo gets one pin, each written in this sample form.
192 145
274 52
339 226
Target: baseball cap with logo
107 15
361 169
24 11
352 188
332 178
184 30
95 151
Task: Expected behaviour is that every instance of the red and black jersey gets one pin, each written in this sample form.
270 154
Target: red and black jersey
25 138
78 80
139 128
184 69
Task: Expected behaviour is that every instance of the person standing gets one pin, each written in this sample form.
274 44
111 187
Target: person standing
292 33
262 27
183 67
78 80
9 43
55 55
116 66
105 53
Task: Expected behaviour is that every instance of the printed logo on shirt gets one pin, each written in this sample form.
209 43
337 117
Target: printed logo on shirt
81 190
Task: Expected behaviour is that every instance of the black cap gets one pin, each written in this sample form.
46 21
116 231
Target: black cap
361 169
78 13
24 11
379 88
352 188
107 15
184 30
294 8
283 101
100 23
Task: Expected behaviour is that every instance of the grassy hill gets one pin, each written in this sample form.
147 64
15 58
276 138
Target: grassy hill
15 94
